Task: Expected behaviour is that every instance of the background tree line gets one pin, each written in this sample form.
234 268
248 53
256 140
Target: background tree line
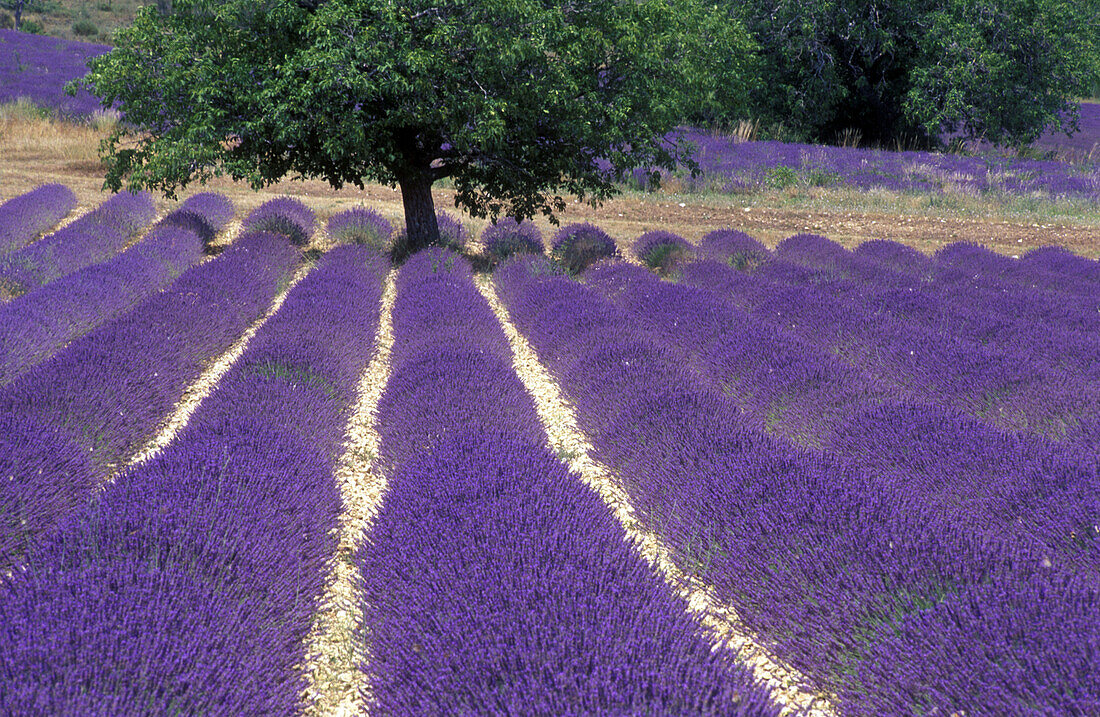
911 71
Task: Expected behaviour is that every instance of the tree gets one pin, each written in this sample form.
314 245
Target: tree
515 101
17 7
1005 71
913 70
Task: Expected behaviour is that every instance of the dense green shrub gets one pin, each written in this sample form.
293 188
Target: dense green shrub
85 28
908 72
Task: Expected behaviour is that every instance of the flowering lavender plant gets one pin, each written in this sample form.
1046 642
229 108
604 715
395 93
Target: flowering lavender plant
736 248
360 226
576 246
283 215
451 231
508 237
663 250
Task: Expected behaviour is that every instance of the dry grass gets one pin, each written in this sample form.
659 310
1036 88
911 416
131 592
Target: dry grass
28 137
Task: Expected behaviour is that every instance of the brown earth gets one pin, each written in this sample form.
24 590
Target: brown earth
38 151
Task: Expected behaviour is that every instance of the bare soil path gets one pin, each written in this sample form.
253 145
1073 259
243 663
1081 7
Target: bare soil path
718 620
335 648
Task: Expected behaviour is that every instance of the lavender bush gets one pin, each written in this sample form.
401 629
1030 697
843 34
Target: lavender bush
23 218
1002 385
203 214
663 251
782 383
734 247
577 246
360 226
451 232
283 215
472 610
508 237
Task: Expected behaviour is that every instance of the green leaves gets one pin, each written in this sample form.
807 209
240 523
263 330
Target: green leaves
913 70
1005 69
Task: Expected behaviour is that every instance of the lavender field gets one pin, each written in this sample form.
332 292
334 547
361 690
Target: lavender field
252 467
37 67
728 165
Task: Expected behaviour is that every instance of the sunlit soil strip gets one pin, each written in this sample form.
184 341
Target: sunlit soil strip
566 438
337 684
205 383
77 212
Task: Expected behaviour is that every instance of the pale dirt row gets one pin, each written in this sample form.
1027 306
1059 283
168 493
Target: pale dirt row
208 380
719 620
335 648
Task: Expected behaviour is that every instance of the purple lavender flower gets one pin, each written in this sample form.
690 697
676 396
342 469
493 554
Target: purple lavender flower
508 237
576 246
894 255
360 226
889 531
465 443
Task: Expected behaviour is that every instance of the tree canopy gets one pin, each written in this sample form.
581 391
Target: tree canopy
1001 70
514 101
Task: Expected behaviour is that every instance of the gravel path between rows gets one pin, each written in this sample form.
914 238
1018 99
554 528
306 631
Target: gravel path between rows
205 383
335 649
718 620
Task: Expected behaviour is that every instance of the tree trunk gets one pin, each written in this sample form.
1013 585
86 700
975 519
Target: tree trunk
421 228
164 7
18 13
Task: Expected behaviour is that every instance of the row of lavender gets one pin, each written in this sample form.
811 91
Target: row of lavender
94 237
39 323
791 387
24 217
730 165
924 561
494 582
67 423
1008 348
195 576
